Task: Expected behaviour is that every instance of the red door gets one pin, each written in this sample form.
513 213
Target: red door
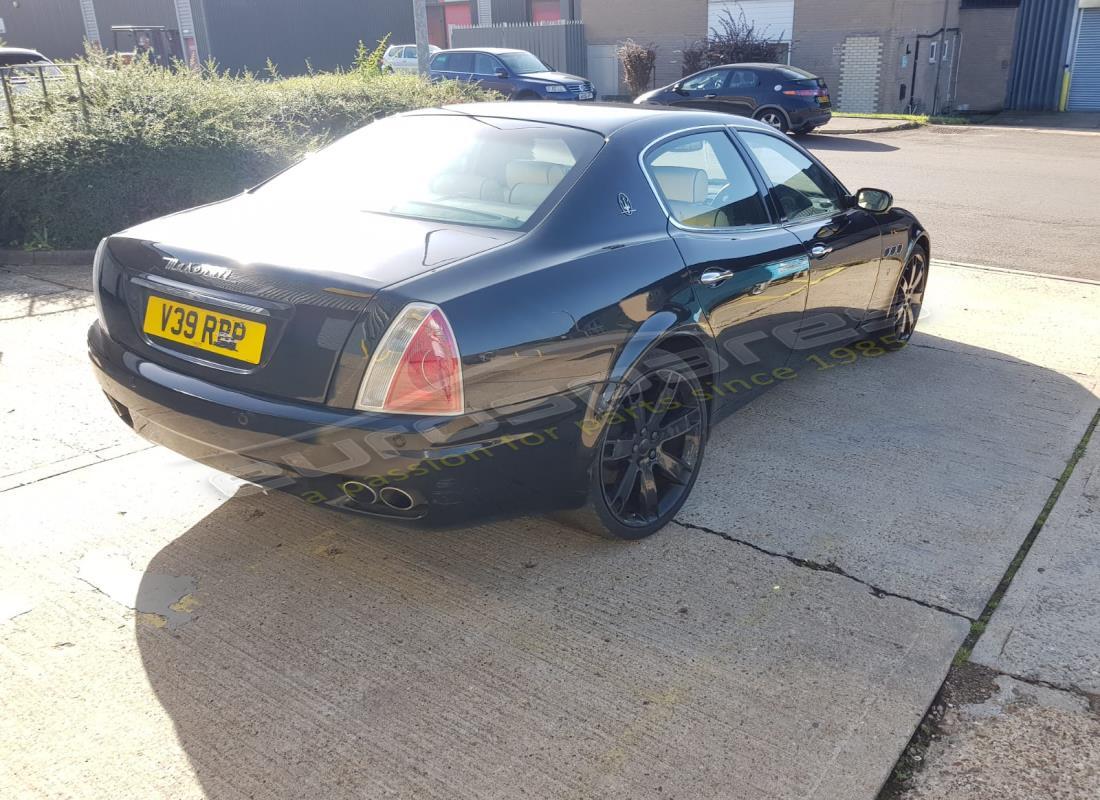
457 14
437 30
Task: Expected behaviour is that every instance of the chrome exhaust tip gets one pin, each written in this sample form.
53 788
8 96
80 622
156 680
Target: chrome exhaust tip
358 493
397 499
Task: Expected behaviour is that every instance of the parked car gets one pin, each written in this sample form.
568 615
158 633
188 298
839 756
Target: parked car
487 308
22 68
402 57
786 98
516 74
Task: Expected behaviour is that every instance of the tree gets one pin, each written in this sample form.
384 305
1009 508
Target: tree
733 41
638 63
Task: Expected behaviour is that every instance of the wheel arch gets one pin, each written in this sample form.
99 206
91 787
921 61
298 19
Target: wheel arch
772 107
668 331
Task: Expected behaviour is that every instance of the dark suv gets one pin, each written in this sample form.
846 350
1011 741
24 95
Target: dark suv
516 74
787 98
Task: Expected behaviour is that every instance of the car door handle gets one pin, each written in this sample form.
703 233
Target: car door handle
713 277
709 96
820 251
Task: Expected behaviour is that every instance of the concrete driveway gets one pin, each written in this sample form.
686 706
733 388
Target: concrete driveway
158 639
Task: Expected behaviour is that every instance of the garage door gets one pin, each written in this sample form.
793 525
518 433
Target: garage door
1084 87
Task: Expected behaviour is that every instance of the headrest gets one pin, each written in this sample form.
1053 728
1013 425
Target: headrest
529 171
682 184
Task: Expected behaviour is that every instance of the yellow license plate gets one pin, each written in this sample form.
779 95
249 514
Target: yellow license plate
232 337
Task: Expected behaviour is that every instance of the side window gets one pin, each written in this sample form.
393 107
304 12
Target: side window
461 62
441 62
802 187
705 80
484 64
408 52
743 79
705 183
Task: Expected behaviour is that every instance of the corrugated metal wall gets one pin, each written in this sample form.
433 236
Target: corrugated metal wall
509 11
560 44
1039 54
245 33
53 27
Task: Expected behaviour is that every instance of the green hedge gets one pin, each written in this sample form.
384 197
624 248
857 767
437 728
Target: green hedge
161 140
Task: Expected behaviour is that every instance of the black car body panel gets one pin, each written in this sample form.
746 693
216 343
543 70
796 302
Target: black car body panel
548 319
750 90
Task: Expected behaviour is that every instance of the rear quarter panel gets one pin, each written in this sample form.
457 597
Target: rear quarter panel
552 310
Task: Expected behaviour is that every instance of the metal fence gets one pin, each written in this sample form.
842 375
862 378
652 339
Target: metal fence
560 44
49 83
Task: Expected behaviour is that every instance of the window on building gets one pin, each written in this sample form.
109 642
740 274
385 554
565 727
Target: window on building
932 52
946 50
544 10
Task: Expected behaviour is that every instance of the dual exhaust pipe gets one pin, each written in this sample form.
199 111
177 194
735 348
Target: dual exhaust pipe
362 495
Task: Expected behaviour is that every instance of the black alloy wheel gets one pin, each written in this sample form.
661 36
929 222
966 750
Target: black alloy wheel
909 296
650 451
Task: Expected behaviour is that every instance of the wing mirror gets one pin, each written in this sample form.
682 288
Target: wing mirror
501 72
678 87
875 200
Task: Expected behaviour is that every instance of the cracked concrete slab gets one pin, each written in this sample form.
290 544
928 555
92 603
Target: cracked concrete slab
1023 742
1047 626
919 472
331 656
338 657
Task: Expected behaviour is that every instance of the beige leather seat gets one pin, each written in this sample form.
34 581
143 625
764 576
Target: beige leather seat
685 191
530 182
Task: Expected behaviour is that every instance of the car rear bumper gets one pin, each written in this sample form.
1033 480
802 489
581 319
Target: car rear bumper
529 457
809 117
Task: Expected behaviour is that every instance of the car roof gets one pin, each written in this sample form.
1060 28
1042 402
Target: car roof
20 51
496 51
602 118
764 65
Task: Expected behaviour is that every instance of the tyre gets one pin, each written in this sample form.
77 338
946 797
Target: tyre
909 295
773 117
805 131
650 452
526 96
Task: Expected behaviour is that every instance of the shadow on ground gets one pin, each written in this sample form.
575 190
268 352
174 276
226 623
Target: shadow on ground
331 656
853 144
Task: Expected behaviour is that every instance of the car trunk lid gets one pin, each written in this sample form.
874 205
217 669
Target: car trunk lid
251 295
810 87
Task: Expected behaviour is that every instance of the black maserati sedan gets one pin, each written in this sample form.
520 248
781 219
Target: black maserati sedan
500 308
787 98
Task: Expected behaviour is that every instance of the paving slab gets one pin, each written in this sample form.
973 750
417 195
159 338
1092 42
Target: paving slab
321 655
51 408
1020 743
1047 626
920 472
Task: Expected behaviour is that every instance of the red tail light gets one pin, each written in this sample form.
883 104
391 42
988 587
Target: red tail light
805 92
416 369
